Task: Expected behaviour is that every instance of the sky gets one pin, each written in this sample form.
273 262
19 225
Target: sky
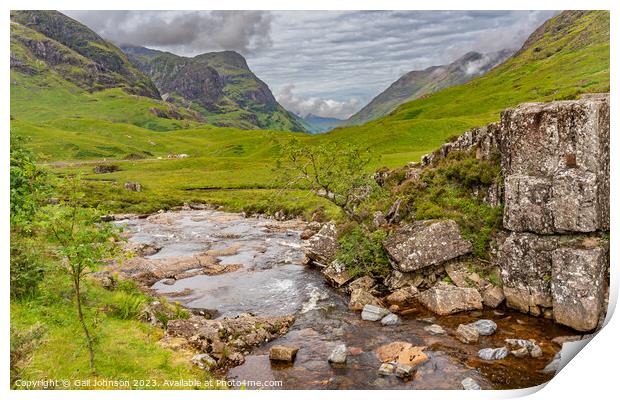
328 63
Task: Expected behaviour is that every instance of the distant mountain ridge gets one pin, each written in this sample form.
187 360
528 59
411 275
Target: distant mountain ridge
219 86
416 84
320 124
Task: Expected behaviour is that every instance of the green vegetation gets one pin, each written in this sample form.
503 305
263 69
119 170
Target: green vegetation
362 253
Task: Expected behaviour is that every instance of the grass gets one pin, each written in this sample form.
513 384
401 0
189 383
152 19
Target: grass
236 168
125 350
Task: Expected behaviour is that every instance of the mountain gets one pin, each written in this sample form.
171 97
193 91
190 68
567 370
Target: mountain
322 124
219 86
49 41
416 84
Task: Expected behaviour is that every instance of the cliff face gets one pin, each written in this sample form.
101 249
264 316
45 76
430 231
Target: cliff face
553 254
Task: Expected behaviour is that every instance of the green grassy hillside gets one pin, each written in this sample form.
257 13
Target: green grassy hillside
567 56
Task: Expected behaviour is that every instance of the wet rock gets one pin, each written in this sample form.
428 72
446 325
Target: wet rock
578 286
489 354
485 327
283 353
398 280
336 274
169 281
445 299
470 384
311 229
492 296
141 249
425 243
204 361
322 247
338 355
555 157
387 369
554 365
521 348
373 313
390 319
203 312
435 329
133 186
360 298
402 353
467 334
403 297
404 371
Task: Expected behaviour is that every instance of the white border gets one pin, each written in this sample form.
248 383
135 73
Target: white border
591 374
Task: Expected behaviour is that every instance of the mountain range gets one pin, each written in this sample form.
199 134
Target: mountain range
318 124
416 84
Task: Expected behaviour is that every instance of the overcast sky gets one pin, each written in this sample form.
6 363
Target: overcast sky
329 63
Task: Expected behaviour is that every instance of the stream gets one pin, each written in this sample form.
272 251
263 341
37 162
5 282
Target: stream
273 281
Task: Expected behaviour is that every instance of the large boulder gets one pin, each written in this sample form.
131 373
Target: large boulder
321 248
445 299
578 286
555 157
425 243
361 297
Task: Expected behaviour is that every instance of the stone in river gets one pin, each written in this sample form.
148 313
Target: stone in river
338 355
404 371
470 384
390 319
435 329
445 299
467 333
373 313
489 354
485 327
283 353
387 369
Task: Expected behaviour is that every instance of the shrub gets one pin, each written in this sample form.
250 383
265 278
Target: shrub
362 253
127 305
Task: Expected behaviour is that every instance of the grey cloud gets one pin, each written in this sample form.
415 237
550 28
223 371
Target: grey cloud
314 105
183 32
333 58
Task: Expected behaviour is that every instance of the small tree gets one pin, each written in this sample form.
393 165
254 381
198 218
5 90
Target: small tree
82 241
334 171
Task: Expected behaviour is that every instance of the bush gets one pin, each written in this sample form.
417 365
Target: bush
28 266
127 305
362 253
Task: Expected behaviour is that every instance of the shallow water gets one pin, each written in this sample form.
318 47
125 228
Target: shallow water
272 281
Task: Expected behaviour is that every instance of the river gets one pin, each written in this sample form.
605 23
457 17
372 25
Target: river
273 281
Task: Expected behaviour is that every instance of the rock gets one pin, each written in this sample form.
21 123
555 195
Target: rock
402 353
387 369
204 361
485 327
365 282
403 297
338 355
425 243
489 354
525 262
373 313
322 247
404 371
470 384
578 282
554 365
445 299
378 219
307 234
336 274
141 249
390 319
311 229
521 348
398 280
435 329
459 274
168 281
555 157
492 296
133 186
467 333
393 215
283 353
360 298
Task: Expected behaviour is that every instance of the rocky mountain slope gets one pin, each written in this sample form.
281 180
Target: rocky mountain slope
416 84
220 86
49 42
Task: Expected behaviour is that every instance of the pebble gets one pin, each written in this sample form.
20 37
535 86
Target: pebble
390 319
485 327
387 369
489 354
373 313
470 384
435 329
338 355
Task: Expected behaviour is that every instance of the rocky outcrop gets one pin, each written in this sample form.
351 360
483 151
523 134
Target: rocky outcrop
322 247
425 243
555 162
445 299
